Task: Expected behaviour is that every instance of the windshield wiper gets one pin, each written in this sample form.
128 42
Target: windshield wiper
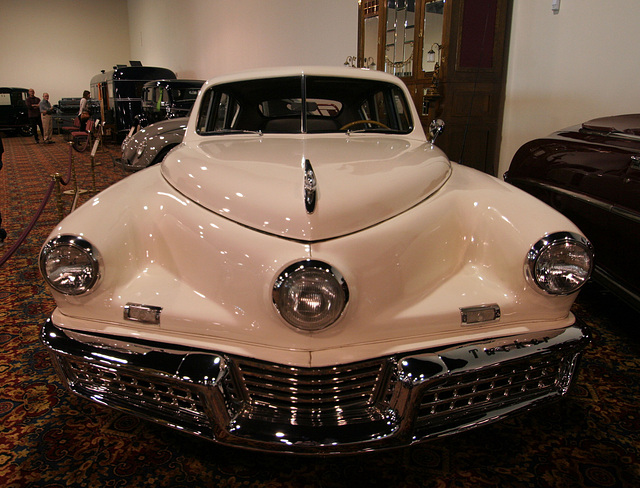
378 130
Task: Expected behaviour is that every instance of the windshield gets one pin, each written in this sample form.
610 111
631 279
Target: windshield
304 104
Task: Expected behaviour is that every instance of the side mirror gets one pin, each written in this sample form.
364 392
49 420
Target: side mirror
435 129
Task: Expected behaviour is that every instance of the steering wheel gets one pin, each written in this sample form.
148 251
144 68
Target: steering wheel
356 122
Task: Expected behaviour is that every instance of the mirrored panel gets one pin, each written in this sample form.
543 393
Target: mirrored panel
370 42
433 22
400 31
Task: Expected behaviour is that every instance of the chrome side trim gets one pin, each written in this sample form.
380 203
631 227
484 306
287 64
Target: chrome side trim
613 134
607 207
619 289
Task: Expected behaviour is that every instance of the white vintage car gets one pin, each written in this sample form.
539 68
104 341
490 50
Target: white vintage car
308 273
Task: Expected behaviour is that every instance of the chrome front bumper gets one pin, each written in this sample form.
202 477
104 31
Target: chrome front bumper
375 404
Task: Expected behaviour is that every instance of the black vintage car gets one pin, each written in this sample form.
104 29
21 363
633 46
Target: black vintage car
13 110
120 94
591 173
168 99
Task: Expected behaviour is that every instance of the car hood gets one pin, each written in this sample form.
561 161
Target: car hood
130 144
165 126
259 182
625 124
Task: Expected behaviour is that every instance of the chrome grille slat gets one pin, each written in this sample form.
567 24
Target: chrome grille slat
313 395
149 391
311 399
275 373
490 388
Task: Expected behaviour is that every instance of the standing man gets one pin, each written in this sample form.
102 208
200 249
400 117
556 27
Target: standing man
47 120
33 112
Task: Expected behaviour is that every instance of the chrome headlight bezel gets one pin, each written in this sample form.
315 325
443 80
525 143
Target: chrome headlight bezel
141 147
560 263
70 265
306 285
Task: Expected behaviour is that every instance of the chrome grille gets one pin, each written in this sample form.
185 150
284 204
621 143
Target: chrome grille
374 404
490 388
138 391
313 396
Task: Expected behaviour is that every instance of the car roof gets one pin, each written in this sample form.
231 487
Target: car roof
281 72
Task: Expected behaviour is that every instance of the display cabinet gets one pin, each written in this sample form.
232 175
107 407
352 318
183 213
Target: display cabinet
452 55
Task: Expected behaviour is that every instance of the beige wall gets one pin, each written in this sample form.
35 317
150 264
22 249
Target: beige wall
57 46
205 38
567 68
563 69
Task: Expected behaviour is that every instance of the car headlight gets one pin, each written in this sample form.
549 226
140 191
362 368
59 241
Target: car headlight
310 295
70 265
560 263
141 147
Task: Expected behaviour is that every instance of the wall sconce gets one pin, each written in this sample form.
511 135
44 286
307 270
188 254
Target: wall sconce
352 62
431 54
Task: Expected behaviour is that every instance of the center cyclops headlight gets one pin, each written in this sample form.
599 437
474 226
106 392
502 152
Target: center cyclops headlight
310 295
560 263
70 265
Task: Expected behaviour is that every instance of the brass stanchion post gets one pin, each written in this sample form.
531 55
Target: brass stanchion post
76 191
59 204
93 175
94 150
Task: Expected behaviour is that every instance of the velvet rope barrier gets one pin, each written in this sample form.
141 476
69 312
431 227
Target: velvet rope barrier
38 213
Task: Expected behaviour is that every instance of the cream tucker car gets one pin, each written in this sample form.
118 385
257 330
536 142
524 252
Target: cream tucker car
308 273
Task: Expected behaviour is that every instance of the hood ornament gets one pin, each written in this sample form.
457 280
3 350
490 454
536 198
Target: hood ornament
310 187
435 129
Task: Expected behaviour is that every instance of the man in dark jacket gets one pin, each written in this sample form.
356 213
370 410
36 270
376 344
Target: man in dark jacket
33 112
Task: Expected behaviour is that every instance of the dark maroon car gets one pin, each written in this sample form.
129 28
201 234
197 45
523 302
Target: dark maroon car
591 173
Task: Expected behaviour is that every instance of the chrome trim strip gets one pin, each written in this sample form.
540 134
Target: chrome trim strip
608 207
613 134
622 291
419 368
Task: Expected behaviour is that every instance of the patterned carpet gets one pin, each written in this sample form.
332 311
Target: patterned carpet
52 439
